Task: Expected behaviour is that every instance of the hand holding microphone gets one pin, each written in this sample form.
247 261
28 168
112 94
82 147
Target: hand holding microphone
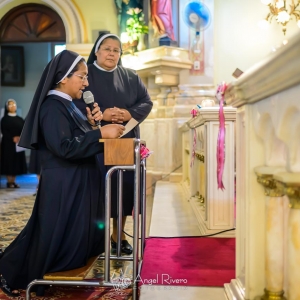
110 131
88 98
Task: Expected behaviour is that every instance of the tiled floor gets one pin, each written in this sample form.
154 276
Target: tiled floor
168 215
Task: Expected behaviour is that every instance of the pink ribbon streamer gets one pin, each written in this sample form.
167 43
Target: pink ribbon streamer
194 114
221 137
194 148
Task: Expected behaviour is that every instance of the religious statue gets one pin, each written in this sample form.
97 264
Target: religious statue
161 18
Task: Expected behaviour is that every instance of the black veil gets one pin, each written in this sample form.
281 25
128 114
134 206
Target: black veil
55 71
103 36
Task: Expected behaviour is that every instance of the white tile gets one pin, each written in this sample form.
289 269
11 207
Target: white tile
172 214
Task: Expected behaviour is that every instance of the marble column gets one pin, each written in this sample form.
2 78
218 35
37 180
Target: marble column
274 253
171 101
290 184
162 100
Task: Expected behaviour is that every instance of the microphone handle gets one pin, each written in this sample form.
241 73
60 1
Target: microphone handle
91 107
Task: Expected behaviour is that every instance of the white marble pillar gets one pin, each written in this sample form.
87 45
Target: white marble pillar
162 100
294 253
171 96
290 183
274 246
274 239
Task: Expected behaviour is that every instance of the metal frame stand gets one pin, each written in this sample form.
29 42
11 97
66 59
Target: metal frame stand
139 169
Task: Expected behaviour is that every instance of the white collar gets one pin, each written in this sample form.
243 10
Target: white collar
59 93
12 114
95 64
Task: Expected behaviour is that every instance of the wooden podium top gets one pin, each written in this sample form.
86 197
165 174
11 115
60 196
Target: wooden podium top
119 151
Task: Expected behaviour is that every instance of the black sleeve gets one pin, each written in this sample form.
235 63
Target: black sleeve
56 126
6 128
141 109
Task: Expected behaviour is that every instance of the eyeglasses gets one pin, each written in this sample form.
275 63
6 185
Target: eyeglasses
114 51
83 78
12 104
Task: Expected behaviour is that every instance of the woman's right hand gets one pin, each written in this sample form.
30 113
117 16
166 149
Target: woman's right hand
112 131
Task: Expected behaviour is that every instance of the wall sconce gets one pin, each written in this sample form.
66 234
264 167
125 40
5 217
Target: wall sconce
279 10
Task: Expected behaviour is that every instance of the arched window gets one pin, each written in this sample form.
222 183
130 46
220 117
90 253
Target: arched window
31 23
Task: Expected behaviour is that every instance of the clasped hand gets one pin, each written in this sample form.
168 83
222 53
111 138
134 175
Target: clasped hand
116 115
109 131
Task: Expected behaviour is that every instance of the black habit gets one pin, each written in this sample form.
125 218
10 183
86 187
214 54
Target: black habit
67 222
124 89
66 227
12 162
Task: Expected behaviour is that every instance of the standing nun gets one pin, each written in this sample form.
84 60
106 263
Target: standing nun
66 225
13 162
121 95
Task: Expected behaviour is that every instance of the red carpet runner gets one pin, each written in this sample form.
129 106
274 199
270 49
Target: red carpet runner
188 261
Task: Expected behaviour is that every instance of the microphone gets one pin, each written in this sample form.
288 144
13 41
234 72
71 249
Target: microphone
88 98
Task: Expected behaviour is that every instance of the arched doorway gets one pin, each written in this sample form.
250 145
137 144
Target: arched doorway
36 28
28 34
27 23
31 23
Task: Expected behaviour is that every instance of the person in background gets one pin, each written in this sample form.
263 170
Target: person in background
66 227
13 161
121 95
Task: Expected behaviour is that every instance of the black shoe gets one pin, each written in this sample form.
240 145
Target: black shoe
7 289
125 247
1 253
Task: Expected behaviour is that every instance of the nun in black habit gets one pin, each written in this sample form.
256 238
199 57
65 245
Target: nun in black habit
66 227
13 163
121 95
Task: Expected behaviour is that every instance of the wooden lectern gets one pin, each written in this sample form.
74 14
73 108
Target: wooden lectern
118 151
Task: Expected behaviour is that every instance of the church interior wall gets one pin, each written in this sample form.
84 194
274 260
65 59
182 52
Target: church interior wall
232 40
185 39
37 56
98 15
235 39
238 40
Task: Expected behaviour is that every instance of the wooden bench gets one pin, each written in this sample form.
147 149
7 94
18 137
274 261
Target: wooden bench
73 275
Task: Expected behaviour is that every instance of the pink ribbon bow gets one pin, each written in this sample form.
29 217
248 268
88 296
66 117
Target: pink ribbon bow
145 152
